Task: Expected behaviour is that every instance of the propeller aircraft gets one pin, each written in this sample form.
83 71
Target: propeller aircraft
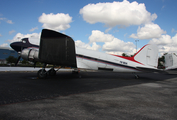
59 49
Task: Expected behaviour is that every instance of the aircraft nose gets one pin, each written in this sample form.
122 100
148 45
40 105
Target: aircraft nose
16 46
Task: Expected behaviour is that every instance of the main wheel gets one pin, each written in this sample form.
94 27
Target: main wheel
42 74
52 72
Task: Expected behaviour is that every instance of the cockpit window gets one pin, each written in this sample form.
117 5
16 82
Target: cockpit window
24 41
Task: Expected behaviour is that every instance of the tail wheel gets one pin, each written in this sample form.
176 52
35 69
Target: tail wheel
136 76
76 71
42 74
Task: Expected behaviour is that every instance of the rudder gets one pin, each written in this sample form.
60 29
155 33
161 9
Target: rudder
148 55
170 60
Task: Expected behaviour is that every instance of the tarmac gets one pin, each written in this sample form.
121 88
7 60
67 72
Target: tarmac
87 95
26 69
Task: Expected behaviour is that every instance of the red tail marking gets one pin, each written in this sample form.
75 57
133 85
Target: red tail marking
131 58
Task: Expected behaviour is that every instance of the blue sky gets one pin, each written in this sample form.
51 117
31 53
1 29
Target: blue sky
103 25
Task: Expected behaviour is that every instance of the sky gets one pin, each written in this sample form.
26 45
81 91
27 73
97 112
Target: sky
108 26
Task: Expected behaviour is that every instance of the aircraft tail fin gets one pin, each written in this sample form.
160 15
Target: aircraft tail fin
170 60
148 56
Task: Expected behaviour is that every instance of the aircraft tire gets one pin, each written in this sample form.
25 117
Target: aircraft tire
41 74
52 72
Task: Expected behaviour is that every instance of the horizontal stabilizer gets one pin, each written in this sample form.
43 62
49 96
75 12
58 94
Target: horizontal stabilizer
57 49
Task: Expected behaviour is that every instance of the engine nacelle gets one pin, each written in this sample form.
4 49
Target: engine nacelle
30 54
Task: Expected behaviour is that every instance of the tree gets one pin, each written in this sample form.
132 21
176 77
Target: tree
124 54
24 62
11 59
161 61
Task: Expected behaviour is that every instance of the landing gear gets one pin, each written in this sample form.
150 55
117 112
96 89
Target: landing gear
52 72
42 73
76 71
136 76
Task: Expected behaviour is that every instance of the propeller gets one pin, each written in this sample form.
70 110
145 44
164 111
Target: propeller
34 64
19 57
20 46
19 53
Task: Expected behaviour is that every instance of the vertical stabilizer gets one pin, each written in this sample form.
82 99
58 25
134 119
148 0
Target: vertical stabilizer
148 56
170 60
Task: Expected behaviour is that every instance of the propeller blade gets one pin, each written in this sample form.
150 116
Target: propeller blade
17 60
35 64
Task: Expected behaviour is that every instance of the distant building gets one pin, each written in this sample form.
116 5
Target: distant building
5 52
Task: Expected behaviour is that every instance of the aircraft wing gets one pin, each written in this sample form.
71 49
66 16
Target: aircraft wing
57 49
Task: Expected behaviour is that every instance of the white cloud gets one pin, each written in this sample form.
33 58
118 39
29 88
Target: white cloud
34 38
112 44
33 29
4 45
2 18
59 21
12 31
166 43
118 45
163 40
173 30
81 44
107 30
9 21
6 20
117 13
163 7
98 36
120 53
0 35
149 31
